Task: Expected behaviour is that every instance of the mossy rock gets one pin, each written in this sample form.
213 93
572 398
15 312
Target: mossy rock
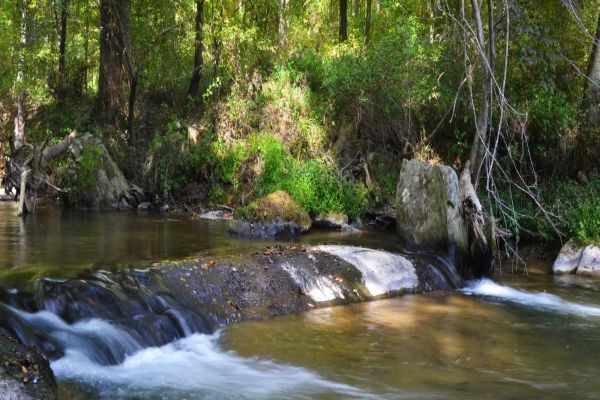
277 206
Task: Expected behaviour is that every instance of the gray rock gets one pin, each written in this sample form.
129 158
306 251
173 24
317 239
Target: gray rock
330 221
589 264
349 229
579 260
429 211
568 259
164 209
217 215
106 188
144 207
263 230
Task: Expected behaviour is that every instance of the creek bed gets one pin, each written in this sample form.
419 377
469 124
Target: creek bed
518 336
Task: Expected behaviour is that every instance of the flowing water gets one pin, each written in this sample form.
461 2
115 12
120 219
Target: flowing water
515 337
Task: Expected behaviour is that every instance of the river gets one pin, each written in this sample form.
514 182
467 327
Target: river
518 336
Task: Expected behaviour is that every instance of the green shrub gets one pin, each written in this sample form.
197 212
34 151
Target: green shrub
574 212
316 184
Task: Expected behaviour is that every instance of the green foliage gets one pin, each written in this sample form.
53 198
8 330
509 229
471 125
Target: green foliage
315 184
574 211
283 104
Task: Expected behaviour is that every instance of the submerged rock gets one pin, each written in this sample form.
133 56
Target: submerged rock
577 259
275 215
25 373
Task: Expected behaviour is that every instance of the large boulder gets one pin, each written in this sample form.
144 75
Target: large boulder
578 259
93 179
276 215
431 217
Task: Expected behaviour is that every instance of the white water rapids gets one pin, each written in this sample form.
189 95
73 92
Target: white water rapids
539 300
195 367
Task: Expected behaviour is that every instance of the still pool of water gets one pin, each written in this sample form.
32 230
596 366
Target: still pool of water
61 243
517 337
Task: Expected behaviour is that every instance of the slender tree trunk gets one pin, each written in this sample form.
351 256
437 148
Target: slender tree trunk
282 20
368 22
115 58
19 139
62 65
198 45
483 119
22 40
591 101
343 20
356 8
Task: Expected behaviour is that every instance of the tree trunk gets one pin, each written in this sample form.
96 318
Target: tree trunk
62 65
19 139
23 209
115 58
480 246
198 45
343 20
282 20
368 22
22 40
591 101
483 119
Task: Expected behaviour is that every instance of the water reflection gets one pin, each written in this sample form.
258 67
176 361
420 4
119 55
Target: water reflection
56 242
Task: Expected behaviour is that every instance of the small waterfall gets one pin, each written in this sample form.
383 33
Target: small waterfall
539 300
107 359
382 272
319 288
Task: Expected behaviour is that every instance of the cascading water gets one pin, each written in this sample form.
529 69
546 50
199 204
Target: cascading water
135 333
539 300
